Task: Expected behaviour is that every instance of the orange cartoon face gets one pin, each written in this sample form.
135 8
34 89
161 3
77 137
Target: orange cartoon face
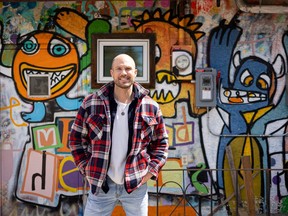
45 53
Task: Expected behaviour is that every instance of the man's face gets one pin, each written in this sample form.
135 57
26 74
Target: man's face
123 72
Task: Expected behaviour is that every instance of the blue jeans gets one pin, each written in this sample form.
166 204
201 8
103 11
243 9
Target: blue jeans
102 204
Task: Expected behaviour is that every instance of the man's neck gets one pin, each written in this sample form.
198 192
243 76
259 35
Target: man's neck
123 95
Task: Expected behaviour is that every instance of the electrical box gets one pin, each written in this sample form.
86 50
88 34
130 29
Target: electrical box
206 87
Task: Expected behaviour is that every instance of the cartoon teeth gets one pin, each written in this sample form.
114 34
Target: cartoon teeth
55 77
240 97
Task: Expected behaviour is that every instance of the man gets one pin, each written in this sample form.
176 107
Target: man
119 141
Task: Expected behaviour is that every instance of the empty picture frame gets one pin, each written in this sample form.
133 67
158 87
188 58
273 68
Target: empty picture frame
140 46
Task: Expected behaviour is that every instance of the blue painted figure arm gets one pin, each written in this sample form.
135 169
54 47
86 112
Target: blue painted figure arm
69 103
221 44
37 114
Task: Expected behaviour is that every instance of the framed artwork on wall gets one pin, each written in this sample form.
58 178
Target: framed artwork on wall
141 47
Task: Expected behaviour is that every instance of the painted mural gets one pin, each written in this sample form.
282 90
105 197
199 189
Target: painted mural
250 119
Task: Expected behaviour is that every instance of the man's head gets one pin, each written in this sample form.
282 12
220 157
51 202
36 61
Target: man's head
123 71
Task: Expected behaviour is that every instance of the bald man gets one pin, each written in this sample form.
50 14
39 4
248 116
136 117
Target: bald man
119 141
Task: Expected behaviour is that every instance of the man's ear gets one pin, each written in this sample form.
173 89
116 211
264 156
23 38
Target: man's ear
136 71
111 72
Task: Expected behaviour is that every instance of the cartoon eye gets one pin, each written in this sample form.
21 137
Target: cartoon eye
58 48
263 82
30 46
157 53
246 78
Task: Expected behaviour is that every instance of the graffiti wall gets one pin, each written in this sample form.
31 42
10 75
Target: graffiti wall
53 41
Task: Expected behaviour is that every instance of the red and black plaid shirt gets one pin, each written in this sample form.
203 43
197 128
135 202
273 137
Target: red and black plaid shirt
90 138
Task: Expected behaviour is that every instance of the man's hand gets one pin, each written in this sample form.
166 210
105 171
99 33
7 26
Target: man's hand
146 177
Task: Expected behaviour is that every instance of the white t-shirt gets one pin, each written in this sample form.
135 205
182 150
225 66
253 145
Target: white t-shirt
119 149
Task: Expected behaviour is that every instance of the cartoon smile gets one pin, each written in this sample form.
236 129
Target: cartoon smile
58 76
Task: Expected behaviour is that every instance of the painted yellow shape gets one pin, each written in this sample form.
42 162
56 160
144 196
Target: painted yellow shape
62 174
170 132
247 147
255 115
165 176
237 146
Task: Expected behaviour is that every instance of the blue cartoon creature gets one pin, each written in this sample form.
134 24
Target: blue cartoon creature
246 91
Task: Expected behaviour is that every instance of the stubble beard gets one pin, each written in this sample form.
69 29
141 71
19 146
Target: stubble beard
126 85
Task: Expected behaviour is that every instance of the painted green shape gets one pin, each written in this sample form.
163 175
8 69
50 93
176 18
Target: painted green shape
284 205
96 26
199 186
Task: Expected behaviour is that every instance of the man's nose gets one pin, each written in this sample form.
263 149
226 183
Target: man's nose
123 71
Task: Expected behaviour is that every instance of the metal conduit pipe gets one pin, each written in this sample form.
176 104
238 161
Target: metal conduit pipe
245 7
